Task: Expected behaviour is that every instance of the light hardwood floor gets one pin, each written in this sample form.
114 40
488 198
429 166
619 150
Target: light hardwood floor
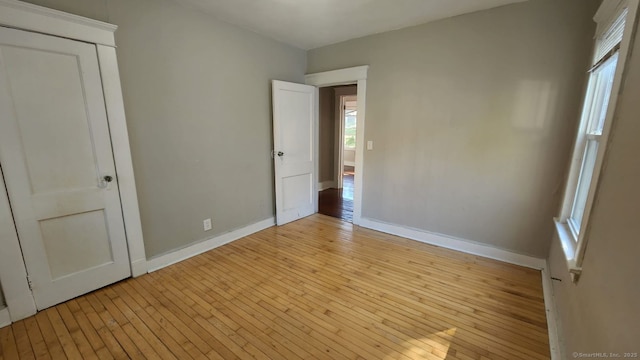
317 288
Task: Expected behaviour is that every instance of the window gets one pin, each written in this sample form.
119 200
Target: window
350 116
597 113
594 115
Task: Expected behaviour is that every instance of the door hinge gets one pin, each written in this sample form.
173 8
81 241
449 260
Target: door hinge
30 282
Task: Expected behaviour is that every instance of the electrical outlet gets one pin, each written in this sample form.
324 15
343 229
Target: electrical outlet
207 224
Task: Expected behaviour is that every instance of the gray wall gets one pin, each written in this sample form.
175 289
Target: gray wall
327 134
198 104
601 313
472 119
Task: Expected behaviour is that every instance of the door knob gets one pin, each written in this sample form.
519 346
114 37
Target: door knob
105 182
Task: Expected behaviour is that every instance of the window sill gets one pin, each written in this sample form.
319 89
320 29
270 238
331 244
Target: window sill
569 247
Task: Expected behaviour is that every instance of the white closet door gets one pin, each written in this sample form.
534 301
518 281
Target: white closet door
56 158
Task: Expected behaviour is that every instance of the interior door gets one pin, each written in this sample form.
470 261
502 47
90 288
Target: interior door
294 156
57 161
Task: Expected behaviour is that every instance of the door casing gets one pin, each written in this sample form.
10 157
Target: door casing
348 76
53 151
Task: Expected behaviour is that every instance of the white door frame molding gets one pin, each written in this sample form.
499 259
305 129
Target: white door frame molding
355 75
28 17
13 272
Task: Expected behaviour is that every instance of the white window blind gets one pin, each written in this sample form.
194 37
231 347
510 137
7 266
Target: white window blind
610 39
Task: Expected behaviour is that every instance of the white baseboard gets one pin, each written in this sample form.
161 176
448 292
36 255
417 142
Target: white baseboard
552 319
162 261
324 185
5 319
453 243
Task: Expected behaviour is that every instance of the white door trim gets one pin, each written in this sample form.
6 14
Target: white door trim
29 17
355 75
5 319
340 141
13 272
122 157
25 16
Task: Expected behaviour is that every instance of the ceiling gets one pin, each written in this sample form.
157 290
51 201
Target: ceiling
309 24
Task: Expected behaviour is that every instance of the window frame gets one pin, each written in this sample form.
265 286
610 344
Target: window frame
574 241
598 94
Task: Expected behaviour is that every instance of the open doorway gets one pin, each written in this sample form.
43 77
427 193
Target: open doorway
337 150
357 78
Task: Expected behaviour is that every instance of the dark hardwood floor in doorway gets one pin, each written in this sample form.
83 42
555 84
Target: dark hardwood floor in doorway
338 203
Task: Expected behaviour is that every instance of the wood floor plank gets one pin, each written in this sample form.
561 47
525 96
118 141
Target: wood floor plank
148 327
312 316
317 288
376 342
54 346
165 312
418 295
317 304
70 321
22 340
471 297
35 337
144 338
73 316
82 308
337 283
118 326
252 330
175 313
8 346
215 313
277 317
189 319
421 260
267 318
396 348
